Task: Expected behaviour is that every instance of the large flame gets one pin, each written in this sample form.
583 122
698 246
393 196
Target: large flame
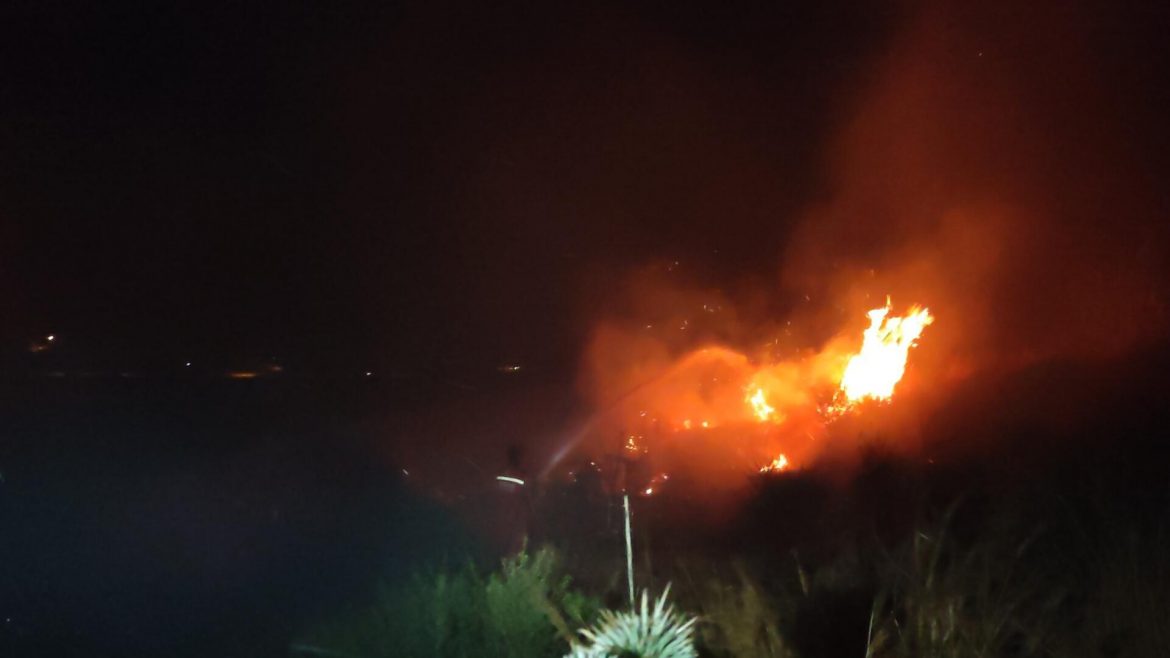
760 407
780 463
874 371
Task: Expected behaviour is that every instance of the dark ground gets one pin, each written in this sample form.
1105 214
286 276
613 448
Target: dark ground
193 517
210 517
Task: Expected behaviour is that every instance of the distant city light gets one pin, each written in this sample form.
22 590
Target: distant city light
42 344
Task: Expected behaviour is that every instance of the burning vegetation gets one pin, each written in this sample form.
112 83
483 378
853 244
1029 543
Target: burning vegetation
722 415
874 371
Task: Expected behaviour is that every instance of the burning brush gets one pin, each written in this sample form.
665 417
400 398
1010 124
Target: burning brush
874 371
715 412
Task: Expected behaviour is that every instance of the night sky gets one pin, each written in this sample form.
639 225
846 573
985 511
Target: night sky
394 185
404 184
436 186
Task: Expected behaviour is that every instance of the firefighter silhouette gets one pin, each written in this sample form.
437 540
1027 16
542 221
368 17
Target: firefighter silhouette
515 508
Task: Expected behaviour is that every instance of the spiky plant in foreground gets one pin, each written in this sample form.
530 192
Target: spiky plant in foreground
661 632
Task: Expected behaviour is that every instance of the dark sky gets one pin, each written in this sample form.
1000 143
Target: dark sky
404 183
412 185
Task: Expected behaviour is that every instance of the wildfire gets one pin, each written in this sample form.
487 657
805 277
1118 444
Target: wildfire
713 396
875 370
760 406
780 463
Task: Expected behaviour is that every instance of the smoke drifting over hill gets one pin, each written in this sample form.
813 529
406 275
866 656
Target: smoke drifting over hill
983 170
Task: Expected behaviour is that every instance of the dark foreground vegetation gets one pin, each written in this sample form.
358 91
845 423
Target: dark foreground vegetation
1019 535
258 521
1029 574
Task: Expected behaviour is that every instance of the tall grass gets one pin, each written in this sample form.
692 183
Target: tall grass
740 619
523 610
949 601
1009 576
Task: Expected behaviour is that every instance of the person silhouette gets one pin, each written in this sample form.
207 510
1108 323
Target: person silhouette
515 510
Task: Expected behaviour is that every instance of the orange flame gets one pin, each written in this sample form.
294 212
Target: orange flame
780 463
760 406
875 370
